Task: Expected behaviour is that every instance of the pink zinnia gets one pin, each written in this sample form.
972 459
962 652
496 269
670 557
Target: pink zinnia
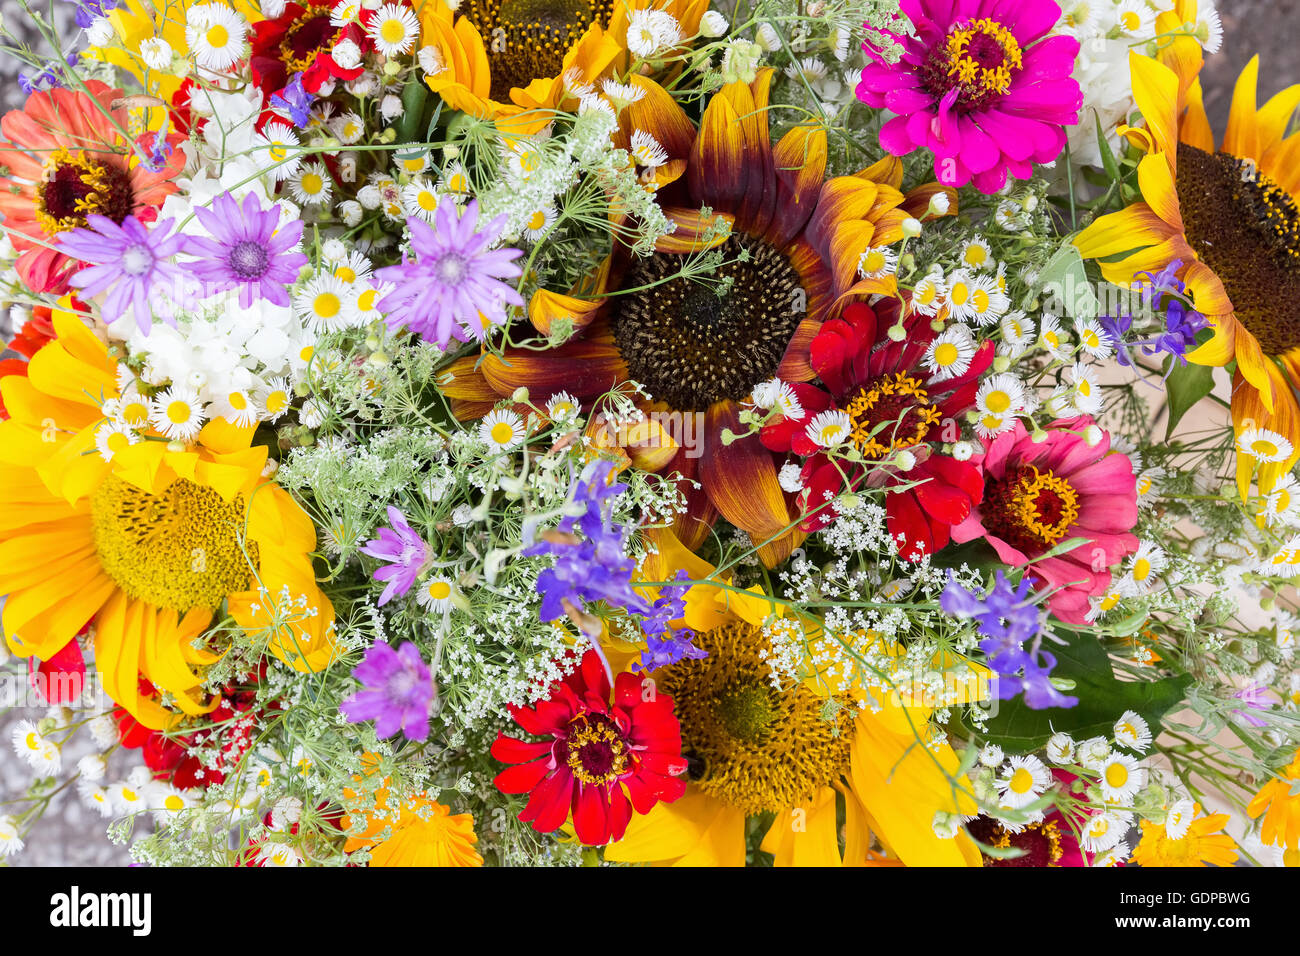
1037 496
982 85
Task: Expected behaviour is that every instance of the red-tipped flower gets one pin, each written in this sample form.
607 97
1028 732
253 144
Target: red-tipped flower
600 761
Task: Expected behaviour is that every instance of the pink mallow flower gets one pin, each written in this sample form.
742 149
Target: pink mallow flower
1039 496
981 84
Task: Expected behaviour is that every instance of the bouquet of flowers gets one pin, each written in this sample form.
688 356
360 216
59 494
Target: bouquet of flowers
566 432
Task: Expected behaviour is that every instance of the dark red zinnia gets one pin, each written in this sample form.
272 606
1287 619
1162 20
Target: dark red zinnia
894 403
600 761
299 41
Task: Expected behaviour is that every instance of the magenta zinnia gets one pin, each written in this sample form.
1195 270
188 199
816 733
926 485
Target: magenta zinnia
981 85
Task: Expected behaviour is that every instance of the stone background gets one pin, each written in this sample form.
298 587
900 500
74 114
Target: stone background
72 835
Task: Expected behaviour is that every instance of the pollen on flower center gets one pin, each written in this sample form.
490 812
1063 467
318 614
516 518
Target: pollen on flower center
306 36
248 259
526 39
1040 843
748 743
692 348
1030 509
1247 229
890 413
179 549
77 184
978 61
595 749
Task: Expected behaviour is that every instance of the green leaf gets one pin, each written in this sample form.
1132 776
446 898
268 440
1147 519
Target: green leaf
1065 280
413 99
1107 156
1186 385
1017 729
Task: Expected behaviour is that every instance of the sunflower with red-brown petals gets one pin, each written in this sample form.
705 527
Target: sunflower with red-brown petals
600 759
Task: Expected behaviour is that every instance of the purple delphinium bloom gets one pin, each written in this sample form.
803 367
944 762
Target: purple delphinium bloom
396 693
593 568
404 551
129 260
88 11
453 279
1162 292
248 251
1008 619
294 101
661 650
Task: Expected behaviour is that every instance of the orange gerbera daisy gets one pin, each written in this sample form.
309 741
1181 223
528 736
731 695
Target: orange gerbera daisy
1230 214
142 537
67 154
501 58
791 256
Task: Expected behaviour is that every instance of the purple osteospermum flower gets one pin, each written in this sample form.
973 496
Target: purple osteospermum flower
453 280
129 260
396 693
404 551
247 252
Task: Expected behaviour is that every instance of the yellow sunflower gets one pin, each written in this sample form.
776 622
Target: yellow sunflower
1230 215
798 753
501 58
143 537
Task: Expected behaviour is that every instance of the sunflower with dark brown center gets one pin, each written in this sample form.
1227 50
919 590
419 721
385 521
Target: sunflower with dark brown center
1229 213
783 244
501 58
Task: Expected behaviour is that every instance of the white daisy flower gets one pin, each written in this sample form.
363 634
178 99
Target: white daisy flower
420 198
950 353
829 428
539 221
127 797
95 797
810 69
991 755
647 151
1093 752
351 266
237 407
312 185
1000 394
1104 830
435 594
215 35
280 142
1209 27
326 304
10 842
36 750
1121 778
344 12
1135 18
178 413
501 430
394 28
1023 781
368 299
156 53
1179 819
1052 337
876 262
1115 856
1060 748
1281 506
1145 564
1093 339
977 254
92 767
1085 391
621 95
961 284
776 395
349 127
112 437
166 801
650 32
989 425
988 301
454 180
928 295
1017 334
278 854
1264 445
562 407
1132 731
275 398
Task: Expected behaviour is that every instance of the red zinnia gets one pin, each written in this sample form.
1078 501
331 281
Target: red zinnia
598 756
300 40
879 382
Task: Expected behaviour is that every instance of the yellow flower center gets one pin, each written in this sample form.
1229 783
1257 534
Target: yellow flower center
1022 781
180 549
75 184
890 413
1030 509
393 31
502 432
1117 775
747 743
217 36
439 590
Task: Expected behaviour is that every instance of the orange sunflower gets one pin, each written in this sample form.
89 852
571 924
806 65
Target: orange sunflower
145 538
1231 215
67 154
790 255
501 58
